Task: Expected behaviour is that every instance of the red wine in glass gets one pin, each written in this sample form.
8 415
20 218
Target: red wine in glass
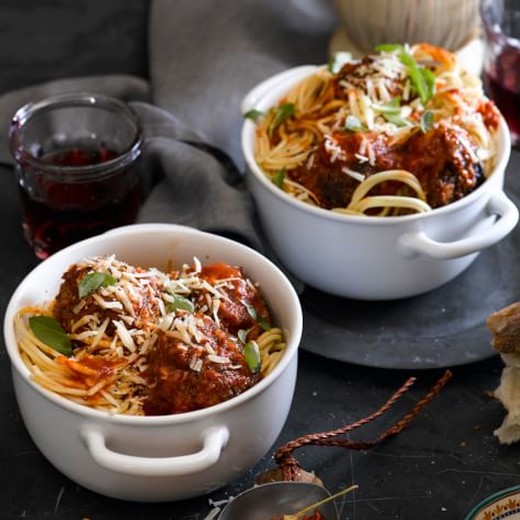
501 24
502 83
66 212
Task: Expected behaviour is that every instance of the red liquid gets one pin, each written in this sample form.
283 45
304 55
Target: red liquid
79 156
63 213
503 86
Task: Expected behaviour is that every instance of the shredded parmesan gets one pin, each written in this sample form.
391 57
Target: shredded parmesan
124 335
114 328
333 149
217 359
355 175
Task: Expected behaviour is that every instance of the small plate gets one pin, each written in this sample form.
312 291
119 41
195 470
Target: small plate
443 328
501 506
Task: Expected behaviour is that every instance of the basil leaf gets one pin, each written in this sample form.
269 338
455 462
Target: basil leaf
337 61
253 114
426 121
180 303
423 80
242 336
396 119
50 332
263 323
394 107
93 281
390 47
252 356
392 112
429 79
279 177
259 319
283 112
250 310
353 124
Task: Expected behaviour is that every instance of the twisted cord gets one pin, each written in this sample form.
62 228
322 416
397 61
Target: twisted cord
291 468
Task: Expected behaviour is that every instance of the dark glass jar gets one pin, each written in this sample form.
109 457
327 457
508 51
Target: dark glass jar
76 158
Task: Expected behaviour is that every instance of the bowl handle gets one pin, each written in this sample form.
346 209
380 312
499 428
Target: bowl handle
499 205
253 96
214 440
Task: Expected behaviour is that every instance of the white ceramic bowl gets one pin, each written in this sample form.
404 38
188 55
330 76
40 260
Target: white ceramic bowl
160 458
374 258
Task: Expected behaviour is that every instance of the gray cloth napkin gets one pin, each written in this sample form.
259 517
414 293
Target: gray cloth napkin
124 87
189 182
204 57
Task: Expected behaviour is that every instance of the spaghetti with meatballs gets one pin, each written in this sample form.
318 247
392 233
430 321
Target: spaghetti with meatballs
405 129
145 342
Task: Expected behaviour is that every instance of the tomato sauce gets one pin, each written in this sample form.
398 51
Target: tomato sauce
235 312
185 379
442 159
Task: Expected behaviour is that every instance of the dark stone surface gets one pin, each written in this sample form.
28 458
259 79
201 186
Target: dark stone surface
56 39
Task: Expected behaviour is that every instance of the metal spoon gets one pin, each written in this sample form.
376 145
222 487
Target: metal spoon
278 498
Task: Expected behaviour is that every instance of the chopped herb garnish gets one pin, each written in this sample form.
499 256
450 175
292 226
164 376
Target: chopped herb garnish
179 303
283 112
429 78
250 310
396 119
353 124
392 112
50 332
279 177
390 47
257 317
394 107
252 356
426 121
263 323
422 79
242 336
337 61
254 114
93 281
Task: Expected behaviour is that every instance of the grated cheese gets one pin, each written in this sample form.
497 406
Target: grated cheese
217 359
125 320
124 335
355 175
333 149
108 304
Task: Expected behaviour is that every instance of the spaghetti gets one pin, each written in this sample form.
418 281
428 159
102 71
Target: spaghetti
147 342
403 130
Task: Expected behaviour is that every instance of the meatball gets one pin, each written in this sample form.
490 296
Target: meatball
194 364
242 304
68 297
445 162
443 159
136 300
354 75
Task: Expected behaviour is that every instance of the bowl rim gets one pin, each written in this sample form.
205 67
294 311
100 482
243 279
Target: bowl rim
133 231
253 170
84 100
492 499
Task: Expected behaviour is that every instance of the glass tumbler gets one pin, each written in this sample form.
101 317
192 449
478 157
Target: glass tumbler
501 24
76 162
